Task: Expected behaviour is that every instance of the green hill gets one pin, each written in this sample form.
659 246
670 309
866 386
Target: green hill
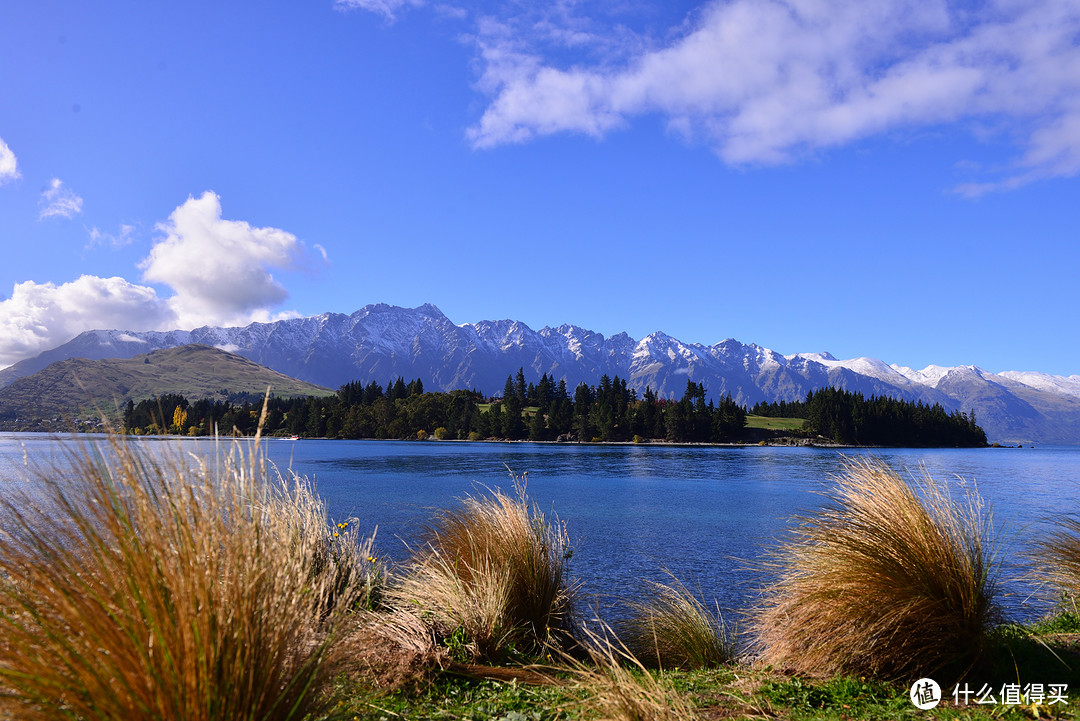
80 388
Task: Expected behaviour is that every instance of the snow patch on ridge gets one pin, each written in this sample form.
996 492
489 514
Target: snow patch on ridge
1063 385
931 375
871 367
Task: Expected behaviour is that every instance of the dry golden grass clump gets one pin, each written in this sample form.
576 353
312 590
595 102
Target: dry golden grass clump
490 582
139 586
1057 561
671 628
890 579
617 685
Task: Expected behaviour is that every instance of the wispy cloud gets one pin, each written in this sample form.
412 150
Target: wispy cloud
771 81
124 236
59 202
387 8
9 165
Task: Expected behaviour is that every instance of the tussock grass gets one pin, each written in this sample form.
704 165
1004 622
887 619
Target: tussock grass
170 588
490 581
1057 562
889 580
617 686
671 628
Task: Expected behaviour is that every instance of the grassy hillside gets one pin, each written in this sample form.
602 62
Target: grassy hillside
80 387
780 424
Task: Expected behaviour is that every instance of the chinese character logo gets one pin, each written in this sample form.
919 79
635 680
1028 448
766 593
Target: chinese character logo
925 693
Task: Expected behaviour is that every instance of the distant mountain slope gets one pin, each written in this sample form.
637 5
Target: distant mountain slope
381 342
79 387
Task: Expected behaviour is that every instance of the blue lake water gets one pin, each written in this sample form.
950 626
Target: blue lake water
703 513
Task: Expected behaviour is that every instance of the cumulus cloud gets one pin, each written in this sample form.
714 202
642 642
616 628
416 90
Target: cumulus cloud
59 202
39 316
9 165
219 269
387 8
768 81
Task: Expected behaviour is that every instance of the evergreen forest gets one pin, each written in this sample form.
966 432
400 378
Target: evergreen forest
852 419
548 411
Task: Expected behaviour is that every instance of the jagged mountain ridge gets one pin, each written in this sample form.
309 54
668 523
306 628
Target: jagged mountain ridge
381 342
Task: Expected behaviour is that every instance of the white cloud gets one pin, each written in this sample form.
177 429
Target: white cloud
9 165
768 81
219 269
125 236
387 8
39 316
59 202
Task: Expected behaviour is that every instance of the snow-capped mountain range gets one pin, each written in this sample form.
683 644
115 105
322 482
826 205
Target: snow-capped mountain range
381 342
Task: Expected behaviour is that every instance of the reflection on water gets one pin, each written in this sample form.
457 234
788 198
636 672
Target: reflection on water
703 513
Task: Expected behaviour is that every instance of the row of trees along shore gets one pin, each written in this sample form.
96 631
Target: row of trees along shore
851 418
546 411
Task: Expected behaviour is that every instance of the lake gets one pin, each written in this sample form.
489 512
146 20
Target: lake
703 513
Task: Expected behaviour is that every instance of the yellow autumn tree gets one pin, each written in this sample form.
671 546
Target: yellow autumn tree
179 419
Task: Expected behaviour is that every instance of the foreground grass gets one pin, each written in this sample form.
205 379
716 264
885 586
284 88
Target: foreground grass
179 588
890 579
1040 653
729 692
171 588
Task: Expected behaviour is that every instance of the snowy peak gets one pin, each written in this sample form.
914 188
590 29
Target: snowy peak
930 376
870 367
1063 385
823 357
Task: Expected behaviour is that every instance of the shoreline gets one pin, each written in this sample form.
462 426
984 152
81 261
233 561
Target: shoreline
778 442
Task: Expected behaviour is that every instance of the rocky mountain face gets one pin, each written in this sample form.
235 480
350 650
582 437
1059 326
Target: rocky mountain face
381 342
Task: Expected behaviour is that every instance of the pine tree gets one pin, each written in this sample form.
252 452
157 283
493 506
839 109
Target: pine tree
520 391
538 428
544 393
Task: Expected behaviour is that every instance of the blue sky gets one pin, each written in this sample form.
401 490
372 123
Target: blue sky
894 179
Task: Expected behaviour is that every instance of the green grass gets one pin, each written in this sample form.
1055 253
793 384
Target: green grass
1063 622
775 424
729 692
454 697
526 412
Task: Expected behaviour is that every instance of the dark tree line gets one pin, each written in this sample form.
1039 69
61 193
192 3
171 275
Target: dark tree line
546 410
847 417
538 411
779 409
